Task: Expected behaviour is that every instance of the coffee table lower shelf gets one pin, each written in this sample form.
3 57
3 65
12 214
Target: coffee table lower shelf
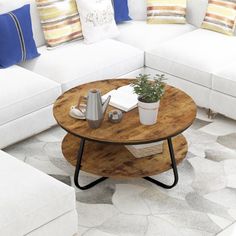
115 161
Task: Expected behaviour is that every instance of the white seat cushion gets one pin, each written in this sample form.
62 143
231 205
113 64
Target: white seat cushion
224 80
78 63
147 36
194 56
6 6
23 92
29 198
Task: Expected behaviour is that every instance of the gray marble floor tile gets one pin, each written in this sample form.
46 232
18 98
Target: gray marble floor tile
82 230
55 134
96 232
63 179
192 219
220 221
220 126
230 172
225 197
199 124
128 200
93 215
184 186
199 141
161 203
229 231
199 203
160 227
218 152
228 140
100 194
209 175
125 225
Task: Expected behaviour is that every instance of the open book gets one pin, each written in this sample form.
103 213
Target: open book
123 98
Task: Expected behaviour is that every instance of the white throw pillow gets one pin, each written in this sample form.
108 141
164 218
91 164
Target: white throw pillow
138 9
196 10
97 20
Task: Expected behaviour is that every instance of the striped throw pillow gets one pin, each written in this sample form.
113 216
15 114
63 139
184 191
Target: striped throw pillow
221 16
166 11
60 21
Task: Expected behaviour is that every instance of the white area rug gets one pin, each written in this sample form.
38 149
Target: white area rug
203 202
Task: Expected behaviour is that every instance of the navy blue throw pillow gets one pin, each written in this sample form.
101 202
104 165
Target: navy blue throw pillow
121 10
16 37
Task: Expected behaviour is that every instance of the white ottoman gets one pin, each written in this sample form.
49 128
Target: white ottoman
33 203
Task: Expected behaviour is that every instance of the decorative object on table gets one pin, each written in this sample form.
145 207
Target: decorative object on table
121 10
221 17
150 91
16 37
78 111
123 98
60 21
95 108
145 150
97 19
166 12
115 116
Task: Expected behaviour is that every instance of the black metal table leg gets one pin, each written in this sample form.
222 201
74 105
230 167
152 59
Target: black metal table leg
78 167
174 167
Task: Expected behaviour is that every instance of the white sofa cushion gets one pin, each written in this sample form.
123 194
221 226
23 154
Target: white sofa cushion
196 10
137 9
6 6
29 198
78 63
224 80
194 56
23 92
97 20
147 36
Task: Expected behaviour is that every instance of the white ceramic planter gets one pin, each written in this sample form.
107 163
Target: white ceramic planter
148 112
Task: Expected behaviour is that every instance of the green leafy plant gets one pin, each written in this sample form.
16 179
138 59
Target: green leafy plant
149 89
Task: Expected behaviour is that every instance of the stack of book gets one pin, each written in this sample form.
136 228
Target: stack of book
144 150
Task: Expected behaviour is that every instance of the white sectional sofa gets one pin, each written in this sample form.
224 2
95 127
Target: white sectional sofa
201 62
33 203
191 57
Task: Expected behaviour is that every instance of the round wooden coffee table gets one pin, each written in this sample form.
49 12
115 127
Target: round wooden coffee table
101 151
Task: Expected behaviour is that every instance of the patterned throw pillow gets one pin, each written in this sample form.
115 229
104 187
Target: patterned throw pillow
166 11
97 19
60 21
221 16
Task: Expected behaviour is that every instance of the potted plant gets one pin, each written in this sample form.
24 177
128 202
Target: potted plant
149 91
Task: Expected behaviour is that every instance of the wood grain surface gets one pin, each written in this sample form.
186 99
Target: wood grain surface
177 112
115 161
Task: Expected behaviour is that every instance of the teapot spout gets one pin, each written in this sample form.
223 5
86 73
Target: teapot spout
105 104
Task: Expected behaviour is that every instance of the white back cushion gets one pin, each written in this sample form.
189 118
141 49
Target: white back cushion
138 9
9 5
196 10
